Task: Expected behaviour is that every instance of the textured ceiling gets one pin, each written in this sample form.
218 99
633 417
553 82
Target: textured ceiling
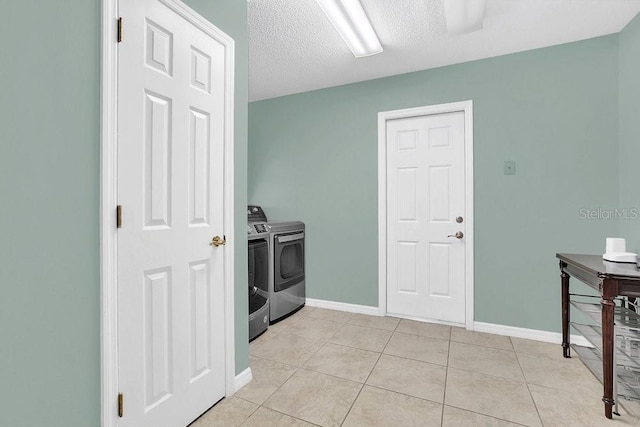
294 48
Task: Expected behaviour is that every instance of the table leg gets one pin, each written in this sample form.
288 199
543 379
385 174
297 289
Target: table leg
566 340
607 353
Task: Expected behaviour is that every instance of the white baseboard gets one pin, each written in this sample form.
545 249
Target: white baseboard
530 334
242 379
343 306
491 328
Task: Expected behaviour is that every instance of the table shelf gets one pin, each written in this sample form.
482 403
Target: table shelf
628 379
624 318
626 349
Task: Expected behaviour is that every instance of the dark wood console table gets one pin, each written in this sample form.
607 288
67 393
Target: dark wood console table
611 280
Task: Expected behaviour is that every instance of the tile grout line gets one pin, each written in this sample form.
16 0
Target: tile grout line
368 376
493 376
285 414
512 350
404 394
446 377
468 410
523 381
278 388
380 353
297 368
360 391
355 348
252 412
342 378
324 342
487 416
385 345
535 405
374 327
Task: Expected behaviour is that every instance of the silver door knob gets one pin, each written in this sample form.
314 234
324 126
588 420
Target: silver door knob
458 235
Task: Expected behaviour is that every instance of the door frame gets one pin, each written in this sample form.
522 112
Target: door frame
108 202
383 117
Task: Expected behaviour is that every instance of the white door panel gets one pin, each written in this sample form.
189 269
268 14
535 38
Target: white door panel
170 186
425 194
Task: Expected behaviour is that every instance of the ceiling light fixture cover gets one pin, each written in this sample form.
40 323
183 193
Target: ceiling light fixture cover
464 16
351 22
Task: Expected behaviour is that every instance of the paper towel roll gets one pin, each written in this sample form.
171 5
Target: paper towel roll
616 245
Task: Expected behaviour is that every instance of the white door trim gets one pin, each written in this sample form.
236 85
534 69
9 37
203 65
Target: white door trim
108 202
383 117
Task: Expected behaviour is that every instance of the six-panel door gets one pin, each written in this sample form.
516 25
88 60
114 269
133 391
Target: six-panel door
425 195
170 185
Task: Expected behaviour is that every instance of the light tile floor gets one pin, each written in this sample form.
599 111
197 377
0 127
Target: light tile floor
330 368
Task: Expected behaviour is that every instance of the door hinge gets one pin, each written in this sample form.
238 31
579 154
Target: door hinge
120 404
119 216
119 29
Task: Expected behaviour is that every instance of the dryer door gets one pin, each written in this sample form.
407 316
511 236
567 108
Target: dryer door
289 260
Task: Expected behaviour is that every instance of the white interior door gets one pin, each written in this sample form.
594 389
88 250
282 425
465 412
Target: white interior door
425 196
170 185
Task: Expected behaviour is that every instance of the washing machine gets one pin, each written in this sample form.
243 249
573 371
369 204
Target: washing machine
260 274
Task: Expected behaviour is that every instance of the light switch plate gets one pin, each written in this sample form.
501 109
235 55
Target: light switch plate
510 167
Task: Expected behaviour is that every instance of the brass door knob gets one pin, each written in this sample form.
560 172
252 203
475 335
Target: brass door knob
458 235
217 241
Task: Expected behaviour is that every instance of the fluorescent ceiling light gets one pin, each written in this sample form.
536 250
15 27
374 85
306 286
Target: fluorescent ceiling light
464 16
349 19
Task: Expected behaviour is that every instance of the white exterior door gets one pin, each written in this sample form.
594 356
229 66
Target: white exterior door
171 343
425 196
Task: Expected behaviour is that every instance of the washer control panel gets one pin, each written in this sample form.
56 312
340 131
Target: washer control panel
261 228
257 228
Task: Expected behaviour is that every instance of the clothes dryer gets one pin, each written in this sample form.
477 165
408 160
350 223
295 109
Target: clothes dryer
287 288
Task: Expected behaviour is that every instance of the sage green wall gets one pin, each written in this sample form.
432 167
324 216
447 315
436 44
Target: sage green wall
49 184
313 157
630 133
